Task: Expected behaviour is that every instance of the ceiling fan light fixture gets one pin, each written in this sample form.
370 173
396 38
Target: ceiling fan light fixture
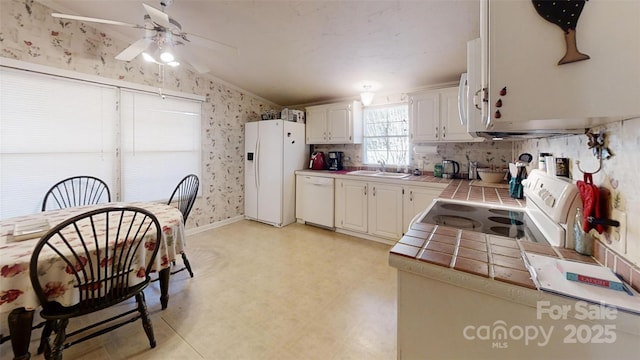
173 63
167 57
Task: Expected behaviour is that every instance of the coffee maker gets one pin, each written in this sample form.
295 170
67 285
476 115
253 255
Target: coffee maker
335 160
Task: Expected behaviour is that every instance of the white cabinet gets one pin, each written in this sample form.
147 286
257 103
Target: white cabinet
434 117
385 210
351 205
416 199
424 116
368 207
339 123
521 52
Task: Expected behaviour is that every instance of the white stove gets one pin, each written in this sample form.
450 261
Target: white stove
547 218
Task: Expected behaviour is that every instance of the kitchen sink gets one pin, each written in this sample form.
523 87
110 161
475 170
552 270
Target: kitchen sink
376 173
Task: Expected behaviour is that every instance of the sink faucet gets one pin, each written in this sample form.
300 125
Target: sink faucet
382 165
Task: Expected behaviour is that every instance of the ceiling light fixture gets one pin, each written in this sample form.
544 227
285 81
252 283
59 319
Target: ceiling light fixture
367 91
367 95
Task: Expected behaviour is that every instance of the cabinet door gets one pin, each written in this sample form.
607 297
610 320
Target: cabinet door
299 197
416 199
424 116
523 55
316 126
339 124
351 205
451 127
385 210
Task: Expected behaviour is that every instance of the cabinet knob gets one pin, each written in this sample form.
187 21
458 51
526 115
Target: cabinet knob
365 190
374 191
444 132
411 195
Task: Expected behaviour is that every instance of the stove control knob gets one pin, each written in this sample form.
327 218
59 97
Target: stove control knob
550 201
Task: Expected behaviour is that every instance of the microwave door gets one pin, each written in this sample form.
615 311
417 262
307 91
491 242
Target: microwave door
463 95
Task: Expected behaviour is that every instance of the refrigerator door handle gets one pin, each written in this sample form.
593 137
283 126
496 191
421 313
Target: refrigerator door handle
256 164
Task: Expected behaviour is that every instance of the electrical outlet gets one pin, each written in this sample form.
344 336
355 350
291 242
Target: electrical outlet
617 239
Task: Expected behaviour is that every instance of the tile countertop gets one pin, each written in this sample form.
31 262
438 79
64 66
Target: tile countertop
493 257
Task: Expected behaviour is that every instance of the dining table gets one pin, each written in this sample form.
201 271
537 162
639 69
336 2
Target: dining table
18 301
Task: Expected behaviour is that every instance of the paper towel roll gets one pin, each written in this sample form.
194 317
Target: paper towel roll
425 149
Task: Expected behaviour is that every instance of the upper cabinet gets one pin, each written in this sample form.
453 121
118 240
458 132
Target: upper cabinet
434 116
339 123
523 45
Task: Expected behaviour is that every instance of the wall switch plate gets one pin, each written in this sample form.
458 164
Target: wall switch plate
617 236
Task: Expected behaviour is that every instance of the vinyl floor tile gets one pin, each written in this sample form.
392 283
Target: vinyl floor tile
261 292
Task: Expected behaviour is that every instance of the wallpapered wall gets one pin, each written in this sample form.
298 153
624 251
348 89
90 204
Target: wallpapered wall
28 33
619 175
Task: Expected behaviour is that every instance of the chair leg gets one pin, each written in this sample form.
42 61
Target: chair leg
58 344
146 320
186 263
45 345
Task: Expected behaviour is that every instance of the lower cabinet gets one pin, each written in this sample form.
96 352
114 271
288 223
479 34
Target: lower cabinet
371 208
416 199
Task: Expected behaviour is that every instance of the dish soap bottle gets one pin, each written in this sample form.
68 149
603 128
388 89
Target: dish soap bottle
584 241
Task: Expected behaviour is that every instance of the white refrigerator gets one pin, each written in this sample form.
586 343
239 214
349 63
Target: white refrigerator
274 150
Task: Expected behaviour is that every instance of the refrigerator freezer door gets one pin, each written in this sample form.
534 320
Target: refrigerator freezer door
250 170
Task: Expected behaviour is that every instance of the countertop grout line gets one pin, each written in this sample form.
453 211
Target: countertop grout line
492 273
454 257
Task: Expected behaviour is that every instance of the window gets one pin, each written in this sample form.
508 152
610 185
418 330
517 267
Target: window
386 138
52 128
160 144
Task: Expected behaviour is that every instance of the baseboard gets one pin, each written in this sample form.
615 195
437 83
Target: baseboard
214 225
366 236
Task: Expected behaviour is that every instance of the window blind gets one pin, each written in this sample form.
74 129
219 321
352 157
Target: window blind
52 128
161 144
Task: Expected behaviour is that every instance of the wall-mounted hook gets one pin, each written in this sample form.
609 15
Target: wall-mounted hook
591 172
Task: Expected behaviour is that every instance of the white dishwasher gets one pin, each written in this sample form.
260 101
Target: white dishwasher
317 200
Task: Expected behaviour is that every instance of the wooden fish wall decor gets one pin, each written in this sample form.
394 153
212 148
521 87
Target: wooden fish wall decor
565 14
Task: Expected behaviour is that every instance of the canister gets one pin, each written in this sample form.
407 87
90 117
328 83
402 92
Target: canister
437 170
562 167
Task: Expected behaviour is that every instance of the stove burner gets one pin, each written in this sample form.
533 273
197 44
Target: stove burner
457 222
504 220
509 232
457 207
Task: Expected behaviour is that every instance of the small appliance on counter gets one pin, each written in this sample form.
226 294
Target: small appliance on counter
317 161
450 169
335 160
473 170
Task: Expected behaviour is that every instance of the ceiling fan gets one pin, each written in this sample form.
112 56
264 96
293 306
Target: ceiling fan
161 35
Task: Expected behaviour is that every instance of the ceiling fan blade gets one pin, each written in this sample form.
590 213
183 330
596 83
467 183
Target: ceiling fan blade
187 57
196 65
134 50
96 20
158 17
210 44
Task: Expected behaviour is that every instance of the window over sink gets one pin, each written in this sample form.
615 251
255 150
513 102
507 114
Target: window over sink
386 134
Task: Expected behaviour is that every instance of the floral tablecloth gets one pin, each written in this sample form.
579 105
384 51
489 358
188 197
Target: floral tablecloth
15 285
